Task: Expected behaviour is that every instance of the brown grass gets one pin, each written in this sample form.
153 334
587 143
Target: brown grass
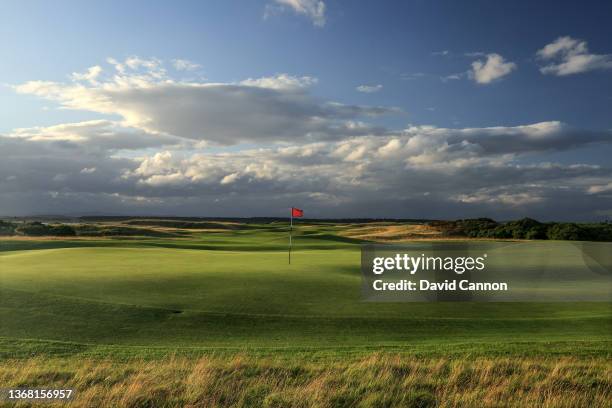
392 233
49 238
377 380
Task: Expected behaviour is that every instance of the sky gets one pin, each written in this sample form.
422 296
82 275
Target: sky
393 109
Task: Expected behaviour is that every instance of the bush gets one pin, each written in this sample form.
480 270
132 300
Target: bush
565 231
62 230
33 229
7 228
526 228
37 229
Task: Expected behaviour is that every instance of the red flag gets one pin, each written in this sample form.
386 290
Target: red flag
296 212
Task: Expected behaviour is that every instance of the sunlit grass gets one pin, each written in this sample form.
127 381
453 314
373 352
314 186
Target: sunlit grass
376 380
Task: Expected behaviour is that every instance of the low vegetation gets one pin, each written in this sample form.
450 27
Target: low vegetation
37 229
7 228
376 380
171 223
526 228
40 229
363 230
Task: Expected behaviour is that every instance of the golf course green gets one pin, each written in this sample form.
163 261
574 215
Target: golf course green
234 290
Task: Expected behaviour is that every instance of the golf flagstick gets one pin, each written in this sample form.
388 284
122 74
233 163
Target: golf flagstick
295 212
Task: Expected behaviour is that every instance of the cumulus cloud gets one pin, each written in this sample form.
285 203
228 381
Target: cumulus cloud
41 166
312 9
567 56
90 75
268 109
493 68
459 162
369 88
535 137
418 171
96 134
326 155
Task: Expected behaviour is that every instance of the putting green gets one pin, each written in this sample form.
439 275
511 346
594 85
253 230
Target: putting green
157 296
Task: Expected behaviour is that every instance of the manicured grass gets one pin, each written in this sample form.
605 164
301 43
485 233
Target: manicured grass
229 302
154 292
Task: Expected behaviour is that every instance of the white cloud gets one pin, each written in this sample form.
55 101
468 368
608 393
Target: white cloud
230 178
369 88
407 169
96 135
362 160
163 156
600 188
136 63
453 77
277 108
185 65
313 9
281 82
91 75
494 196
494 68
567 56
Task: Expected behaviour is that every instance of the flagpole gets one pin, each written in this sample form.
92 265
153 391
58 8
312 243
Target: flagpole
290 230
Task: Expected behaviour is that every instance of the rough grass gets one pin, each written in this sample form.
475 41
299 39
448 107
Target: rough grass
376 380
382 232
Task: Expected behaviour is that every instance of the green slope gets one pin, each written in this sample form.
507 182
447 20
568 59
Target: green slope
144 293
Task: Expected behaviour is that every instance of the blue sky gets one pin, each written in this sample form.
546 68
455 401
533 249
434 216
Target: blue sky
361 42
443 64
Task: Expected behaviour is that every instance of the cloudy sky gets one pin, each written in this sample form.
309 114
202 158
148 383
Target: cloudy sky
416 109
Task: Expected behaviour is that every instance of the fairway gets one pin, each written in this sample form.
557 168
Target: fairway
234 290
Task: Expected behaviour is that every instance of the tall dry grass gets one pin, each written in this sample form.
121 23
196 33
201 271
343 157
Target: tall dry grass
378 380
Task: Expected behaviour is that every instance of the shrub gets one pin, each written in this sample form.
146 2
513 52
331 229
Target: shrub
37 229
565 231
62 230
7 228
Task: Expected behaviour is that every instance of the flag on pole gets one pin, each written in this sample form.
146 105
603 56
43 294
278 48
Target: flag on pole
295 213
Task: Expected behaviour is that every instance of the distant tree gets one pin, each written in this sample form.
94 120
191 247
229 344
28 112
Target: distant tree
62 230
565 231
36 229
7 228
